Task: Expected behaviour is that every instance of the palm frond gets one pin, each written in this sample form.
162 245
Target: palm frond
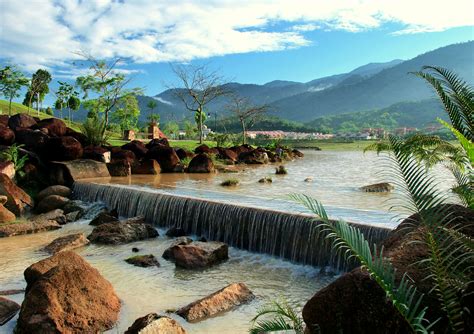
284 318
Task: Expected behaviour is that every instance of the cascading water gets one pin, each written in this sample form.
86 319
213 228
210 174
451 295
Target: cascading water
295 237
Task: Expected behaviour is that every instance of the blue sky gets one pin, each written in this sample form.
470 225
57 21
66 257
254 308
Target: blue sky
252 41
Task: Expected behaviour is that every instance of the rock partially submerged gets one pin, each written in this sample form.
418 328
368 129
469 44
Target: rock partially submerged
6 216
168 253
174 232
51 202
67 295
17 199
155 324
130 230
8 309
105 217
66 243
143 261
219 302
199 254
67 172
27 227
55 215
383 187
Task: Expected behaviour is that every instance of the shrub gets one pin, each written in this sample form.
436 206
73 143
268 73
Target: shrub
95 132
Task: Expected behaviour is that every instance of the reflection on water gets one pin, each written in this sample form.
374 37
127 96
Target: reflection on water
145 290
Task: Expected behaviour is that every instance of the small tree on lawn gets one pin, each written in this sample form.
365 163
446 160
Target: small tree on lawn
127 112
38 88
11 81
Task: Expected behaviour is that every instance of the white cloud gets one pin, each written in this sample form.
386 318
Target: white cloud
45 33
162 100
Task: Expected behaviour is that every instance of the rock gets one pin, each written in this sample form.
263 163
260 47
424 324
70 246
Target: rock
73 206
174 232
149 167
65 294
7 136
241 149
297 153
11 292
135 250
66 173
281 170
137 147
8 309
54 190
378 188
6 216
123 155
199 254
73 216
201 163
4 120
17 199
63 149
168 253
265 180
254 157
66 243
105 217
97 153
228 154
21 121
308 179
155 324
81 138
119 168
33 140
165 156
27 227
183 154
203 148
157 142
56 215
131 230
359 303
143 261
7 168
219 302
55 126
51 202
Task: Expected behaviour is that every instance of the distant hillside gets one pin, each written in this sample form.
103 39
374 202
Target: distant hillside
389 86
405 114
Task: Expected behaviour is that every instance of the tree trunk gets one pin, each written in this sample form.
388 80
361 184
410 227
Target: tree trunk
69 111
244 132
10 106
29 102
37 103
200 126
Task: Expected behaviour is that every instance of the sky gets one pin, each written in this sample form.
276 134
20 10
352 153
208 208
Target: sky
253 41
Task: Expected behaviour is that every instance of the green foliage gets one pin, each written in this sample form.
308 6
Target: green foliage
350 242
190 129
67 97
50 111
12 154
127 112
95 132
11 82
171 129
284 318
38 88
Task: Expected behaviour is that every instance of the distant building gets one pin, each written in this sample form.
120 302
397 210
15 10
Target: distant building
404 131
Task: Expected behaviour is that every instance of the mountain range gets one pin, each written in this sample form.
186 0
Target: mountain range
374 86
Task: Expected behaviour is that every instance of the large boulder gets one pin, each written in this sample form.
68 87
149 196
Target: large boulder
157 142
6 216
216 303
55 126
130 230
17 199
255 157
4 120
203 148
78 135
67 295
97 153
8 309
119 154
137 147
183 154
104 217
33 140
63 149
199 254
119 168
168 254
66 243
165 156
59 190
27 227
7 136
68 172
228 154
56 215
201 163
21 121
155 324
7 168
149 167
51 202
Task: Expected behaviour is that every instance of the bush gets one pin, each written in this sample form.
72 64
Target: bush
95 132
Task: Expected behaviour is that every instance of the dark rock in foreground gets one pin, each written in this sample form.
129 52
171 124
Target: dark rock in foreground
155 324
67 295
143 261
220 301
66 243
130 230
199 254
105 217
8 309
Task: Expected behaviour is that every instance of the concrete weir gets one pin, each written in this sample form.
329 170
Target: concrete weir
295 237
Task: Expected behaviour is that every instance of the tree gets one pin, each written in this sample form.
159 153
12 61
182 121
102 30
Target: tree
49 111
66 95
151 117
105 81
246 113
11 81
73 104
38 88
189 129
127 112
200 87
171 129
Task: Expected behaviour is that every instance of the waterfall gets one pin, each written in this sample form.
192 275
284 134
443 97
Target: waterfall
291 236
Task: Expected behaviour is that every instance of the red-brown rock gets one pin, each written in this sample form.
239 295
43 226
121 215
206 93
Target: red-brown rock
165 156
7 136
27 227
119 154
7 168
97 153
33 140
59 190
63 149
17 199
8 309
228 154
199 254
67 295
119 168
21 121
51 202
77 135
155 324
55 126
201 163
66 243
150 167
4 120
137 147
183 154
157 142
133 229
